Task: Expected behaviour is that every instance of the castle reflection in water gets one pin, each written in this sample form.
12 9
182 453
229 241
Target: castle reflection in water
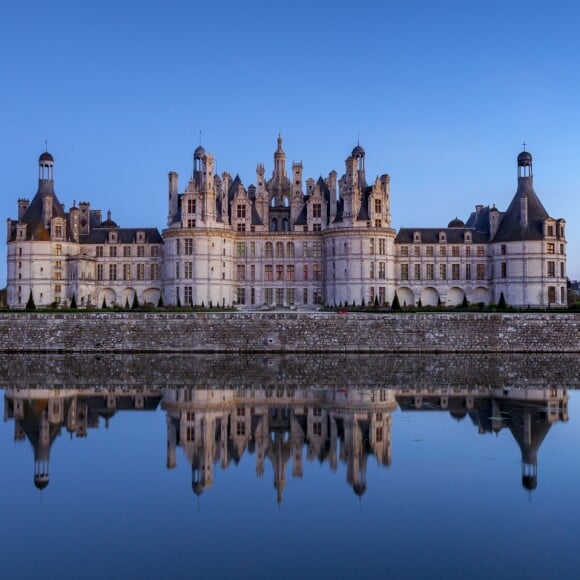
282 425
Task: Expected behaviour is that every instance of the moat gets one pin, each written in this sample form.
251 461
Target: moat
282 466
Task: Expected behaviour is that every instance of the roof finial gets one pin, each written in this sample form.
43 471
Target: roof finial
524 145
46 145
200 137
358 138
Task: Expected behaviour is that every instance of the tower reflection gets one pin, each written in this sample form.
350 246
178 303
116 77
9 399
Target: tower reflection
283 424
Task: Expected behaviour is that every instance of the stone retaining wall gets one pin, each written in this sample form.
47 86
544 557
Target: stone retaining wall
286 332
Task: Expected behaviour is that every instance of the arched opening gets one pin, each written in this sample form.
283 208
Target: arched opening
107 297
151 296
429 297
455 296
480 294
406 297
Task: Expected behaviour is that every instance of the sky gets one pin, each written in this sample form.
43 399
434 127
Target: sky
440 94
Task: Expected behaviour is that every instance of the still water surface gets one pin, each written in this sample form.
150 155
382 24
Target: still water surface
266 474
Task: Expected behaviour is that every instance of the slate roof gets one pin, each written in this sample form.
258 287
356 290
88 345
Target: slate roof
124 236
431 235
511 228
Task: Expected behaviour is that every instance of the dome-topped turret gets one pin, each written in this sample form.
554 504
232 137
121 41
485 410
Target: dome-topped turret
199 153
358 152
456 223
109 223
524 159
46 157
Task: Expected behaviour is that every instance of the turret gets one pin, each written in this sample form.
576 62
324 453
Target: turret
173 196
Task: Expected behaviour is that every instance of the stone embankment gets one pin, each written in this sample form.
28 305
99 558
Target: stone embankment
290 332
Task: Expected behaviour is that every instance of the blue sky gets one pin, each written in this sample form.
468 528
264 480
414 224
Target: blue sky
441 93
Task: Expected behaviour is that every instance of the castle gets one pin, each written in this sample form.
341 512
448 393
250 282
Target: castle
284 242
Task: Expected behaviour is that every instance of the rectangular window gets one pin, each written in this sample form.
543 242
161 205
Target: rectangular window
99 252
503 249
305 249
177 272
550 231
126 271
58 231
305 296
429 251
126 251
290 273
455 251
404 251
417 251
154 251
241 295
404 271
268 273
112 271
480 272
416 271
252 273
279 250
316 227
252 296
550 248
269 252
372 271
240 250
252 249
279 296
191 206
468 271
141 271
316 210
317 296
317 271
382 295
113 251
467 251
372 248
378 206
279 272
188 295
155 272
551 269
455 271
178 247
442 250
430 271
188 246
190 223
241 211
269 296
382 272
372 293
140 251
551 294
442 271
188 270
317 249
100 274
382 246
480 251
290 249
290 296
305 272
241 228
562 270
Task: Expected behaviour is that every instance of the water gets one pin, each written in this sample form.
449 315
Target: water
284 467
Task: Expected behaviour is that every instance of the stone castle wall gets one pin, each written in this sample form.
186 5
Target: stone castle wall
290 332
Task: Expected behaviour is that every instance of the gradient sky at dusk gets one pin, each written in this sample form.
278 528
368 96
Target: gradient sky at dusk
441 93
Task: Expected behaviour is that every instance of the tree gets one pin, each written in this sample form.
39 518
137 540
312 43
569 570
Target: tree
396 304
135 302
160 301
420 303
30 305
178 303
104 307
502 303
73 302
376 302
465 302
127 303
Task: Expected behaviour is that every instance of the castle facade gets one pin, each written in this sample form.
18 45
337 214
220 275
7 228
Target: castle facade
284 242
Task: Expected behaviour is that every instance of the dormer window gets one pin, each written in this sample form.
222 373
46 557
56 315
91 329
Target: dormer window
112 237
442 237
467 236
140 237
241 211
417 237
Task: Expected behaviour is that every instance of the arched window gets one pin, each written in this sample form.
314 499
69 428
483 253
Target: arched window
274 227
279 250
284 224
290 249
